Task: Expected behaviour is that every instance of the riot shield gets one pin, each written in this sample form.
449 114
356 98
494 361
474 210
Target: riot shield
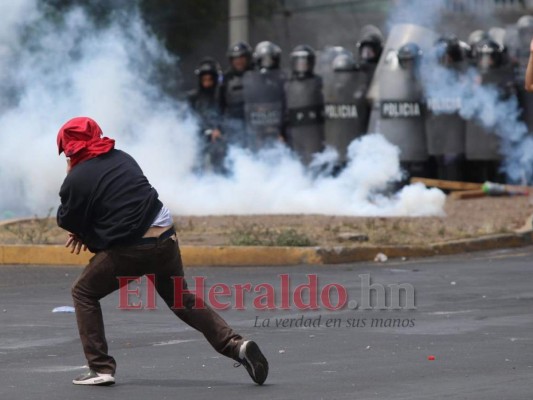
305 122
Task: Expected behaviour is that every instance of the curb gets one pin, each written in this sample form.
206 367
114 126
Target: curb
194 256
493 242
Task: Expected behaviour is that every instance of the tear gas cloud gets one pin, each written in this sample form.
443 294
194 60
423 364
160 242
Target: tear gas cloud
486 106
53 71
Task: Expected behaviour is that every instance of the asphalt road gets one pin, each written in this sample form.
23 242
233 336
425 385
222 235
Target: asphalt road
473 315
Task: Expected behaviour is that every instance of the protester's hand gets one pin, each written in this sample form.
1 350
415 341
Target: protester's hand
215 135
75 243
531 46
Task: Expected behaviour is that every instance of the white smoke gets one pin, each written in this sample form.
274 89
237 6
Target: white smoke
275 182
488 106
71 67
419 12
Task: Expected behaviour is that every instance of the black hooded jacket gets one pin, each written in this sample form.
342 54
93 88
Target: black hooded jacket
107 201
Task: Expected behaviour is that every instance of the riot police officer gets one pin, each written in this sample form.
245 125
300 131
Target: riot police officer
399 114
346 109
483 146
445 128
263 90
205 102
232 93
369 50
324 61
474 39
304 105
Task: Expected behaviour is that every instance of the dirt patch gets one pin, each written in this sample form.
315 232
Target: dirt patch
464 219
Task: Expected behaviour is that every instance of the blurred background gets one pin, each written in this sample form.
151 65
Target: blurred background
193 29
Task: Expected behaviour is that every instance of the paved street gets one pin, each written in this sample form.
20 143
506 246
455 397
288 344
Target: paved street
474 315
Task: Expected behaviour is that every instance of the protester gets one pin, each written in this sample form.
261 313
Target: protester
109 207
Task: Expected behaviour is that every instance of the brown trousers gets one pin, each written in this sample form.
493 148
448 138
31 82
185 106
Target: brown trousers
161 258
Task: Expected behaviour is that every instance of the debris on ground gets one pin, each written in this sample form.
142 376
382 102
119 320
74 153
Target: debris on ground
470 190
63 309
352 237
381 258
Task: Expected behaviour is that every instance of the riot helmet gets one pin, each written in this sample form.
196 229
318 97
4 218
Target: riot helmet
240 49
489 54
370 46
325 57
476 36
302 60
240 56
498 35
409 55
267 55
208 68
525 21
473 39
525 28
449 50
344 62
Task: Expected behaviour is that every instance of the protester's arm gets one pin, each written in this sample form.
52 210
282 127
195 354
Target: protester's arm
69 220
70 215
529 71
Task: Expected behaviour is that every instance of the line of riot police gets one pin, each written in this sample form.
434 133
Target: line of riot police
255 104
331 97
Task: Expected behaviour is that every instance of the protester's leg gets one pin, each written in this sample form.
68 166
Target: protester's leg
204 319
96 281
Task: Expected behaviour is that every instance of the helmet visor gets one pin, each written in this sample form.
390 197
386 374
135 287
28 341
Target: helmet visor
485 61
301 64
267 61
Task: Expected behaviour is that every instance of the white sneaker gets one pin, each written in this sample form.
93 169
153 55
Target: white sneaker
94 378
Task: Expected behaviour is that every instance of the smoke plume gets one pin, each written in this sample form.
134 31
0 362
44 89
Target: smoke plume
57 66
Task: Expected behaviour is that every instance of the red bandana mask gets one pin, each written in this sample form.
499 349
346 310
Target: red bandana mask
81 139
